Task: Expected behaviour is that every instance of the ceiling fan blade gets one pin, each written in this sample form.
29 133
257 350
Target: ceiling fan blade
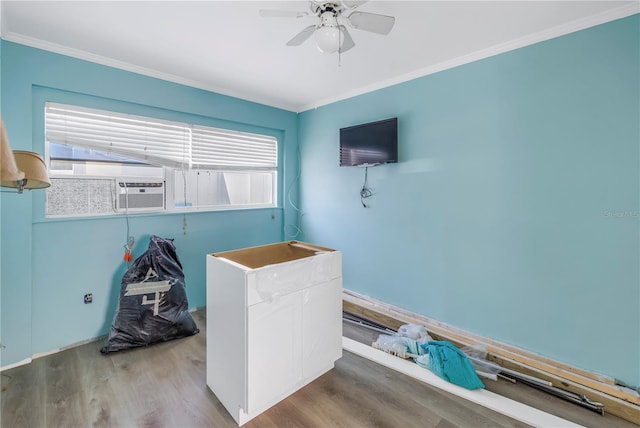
271 13
352 4
302 36
347 41
373 22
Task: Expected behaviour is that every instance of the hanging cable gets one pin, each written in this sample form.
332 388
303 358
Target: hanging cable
184 214
129 239
295 229
340 41
186 163
365 192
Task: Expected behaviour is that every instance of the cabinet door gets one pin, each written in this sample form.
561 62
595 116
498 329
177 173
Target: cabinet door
322 327
274 348
226 342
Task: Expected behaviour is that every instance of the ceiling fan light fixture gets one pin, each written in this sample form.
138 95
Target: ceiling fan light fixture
328 39
331 33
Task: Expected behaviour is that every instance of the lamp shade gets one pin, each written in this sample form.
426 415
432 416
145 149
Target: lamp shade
328 39
9 172
35 171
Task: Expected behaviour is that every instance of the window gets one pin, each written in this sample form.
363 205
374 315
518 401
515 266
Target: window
103 162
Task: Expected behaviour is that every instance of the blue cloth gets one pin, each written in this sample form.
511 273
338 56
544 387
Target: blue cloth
413 347
451 364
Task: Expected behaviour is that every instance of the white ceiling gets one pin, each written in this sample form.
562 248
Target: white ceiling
226 47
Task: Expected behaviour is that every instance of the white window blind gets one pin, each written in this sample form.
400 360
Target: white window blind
151 140
214 148
160 142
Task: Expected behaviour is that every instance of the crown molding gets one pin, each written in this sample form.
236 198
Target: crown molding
122 65
531 39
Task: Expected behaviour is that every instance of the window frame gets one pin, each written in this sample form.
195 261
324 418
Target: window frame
171 205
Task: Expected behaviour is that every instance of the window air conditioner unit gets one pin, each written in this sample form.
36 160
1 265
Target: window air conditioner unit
139 196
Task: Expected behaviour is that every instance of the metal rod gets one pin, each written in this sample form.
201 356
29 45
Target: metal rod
581 400
370 327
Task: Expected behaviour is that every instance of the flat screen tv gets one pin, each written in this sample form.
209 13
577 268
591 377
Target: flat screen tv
369 144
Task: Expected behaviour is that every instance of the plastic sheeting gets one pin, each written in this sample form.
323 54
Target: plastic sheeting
153 303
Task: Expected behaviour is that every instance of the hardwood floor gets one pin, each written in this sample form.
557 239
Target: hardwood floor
164 386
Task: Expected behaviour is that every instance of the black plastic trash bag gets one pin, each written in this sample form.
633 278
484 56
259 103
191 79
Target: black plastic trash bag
153 303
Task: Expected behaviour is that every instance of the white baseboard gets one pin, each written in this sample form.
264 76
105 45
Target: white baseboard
14 365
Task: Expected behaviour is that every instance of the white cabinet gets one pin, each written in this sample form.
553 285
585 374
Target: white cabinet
274 322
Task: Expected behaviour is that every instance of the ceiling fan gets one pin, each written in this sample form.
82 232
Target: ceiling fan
331 34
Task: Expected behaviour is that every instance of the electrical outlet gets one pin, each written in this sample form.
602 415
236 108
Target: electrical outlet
88 298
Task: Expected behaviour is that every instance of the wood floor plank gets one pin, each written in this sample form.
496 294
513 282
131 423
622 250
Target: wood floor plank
96 375
376 402
62 373
22 406
22 395
286 415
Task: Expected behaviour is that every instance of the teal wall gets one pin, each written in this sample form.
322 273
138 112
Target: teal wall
48 265
514 210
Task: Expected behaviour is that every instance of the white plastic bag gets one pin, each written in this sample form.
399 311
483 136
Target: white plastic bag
416 332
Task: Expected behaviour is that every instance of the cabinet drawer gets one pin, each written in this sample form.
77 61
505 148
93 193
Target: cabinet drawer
270 282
